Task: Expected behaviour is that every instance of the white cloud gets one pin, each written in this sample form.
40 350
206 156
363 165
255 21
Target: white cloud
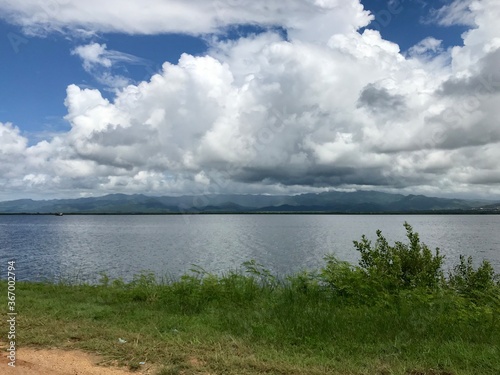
92 54
458 12
428 46
12 148
261 114
95 54
305 19
11 140
100 63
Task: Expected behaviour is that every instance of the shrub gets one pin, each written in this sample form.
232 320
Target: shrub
346 280
471 282
402 266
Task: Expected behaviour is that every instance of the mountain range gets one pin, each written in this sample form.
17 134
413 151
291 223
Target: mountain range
327 202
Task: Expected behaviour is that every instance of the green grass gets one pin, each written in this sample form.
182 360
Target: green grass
341 319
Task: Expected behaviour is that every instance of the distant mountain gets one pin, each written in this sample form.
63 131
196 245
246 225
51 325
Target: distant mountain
338 202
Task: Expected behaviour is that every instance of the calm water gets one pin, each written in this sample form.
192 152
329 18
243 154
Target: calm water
83 246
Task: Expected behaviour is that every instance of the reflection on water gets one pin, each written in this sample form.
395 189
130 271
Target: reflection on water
121 246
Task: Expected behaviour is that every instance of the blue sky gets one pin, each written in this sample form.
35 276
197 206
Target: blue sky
37 70
407 22
270 61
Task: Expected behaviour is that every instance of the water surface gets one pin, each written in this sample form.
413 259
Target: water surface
84 246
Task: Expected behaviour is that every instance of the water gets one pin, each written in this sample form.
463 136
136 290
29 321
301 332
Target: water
81 247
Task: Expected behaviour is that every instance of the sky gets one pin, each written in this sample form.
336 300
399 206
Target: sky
171 97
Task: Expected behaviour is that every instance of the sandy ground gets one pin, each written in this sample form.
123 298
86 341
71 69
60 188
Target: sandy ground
30 361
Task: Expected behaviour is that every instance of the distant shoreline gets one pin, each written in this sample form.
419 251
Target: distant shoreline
451 212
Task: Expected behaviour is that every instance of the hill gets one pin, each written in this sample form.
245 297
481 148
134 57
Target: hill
338 202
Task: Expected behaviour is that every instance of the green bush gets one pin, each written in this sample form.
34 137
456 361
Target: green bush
471 282
402 266
346 280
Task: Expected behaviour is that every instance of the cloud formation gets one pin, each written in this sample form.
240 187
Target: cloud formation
336 109
100 62
458 12
304 19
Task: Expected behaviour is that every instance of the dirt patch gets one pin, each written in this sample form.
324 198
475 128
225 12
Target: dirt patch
30 361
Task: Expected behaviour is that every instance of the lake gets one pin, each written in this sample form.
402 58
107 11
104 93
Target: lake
81 247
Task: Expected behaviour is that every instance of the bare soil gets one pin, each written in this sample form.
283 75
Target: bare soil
31 361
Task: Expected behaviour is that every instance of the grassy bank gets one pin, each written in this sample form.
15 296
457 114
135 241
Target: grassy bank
397 312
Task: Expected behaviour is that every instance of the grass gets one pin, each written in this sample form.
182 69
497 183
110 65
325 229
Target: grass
385 316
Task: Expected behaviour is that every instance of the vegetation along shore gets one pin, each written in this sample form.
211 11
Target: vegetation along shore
396 312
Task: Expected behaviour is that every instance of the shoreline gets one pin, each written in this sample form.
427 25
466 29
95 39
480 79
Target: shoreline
472 212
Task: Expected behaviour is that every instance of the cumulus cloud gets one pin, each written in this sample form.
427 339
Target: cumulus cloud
11 140
266 115
12 148
380 100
